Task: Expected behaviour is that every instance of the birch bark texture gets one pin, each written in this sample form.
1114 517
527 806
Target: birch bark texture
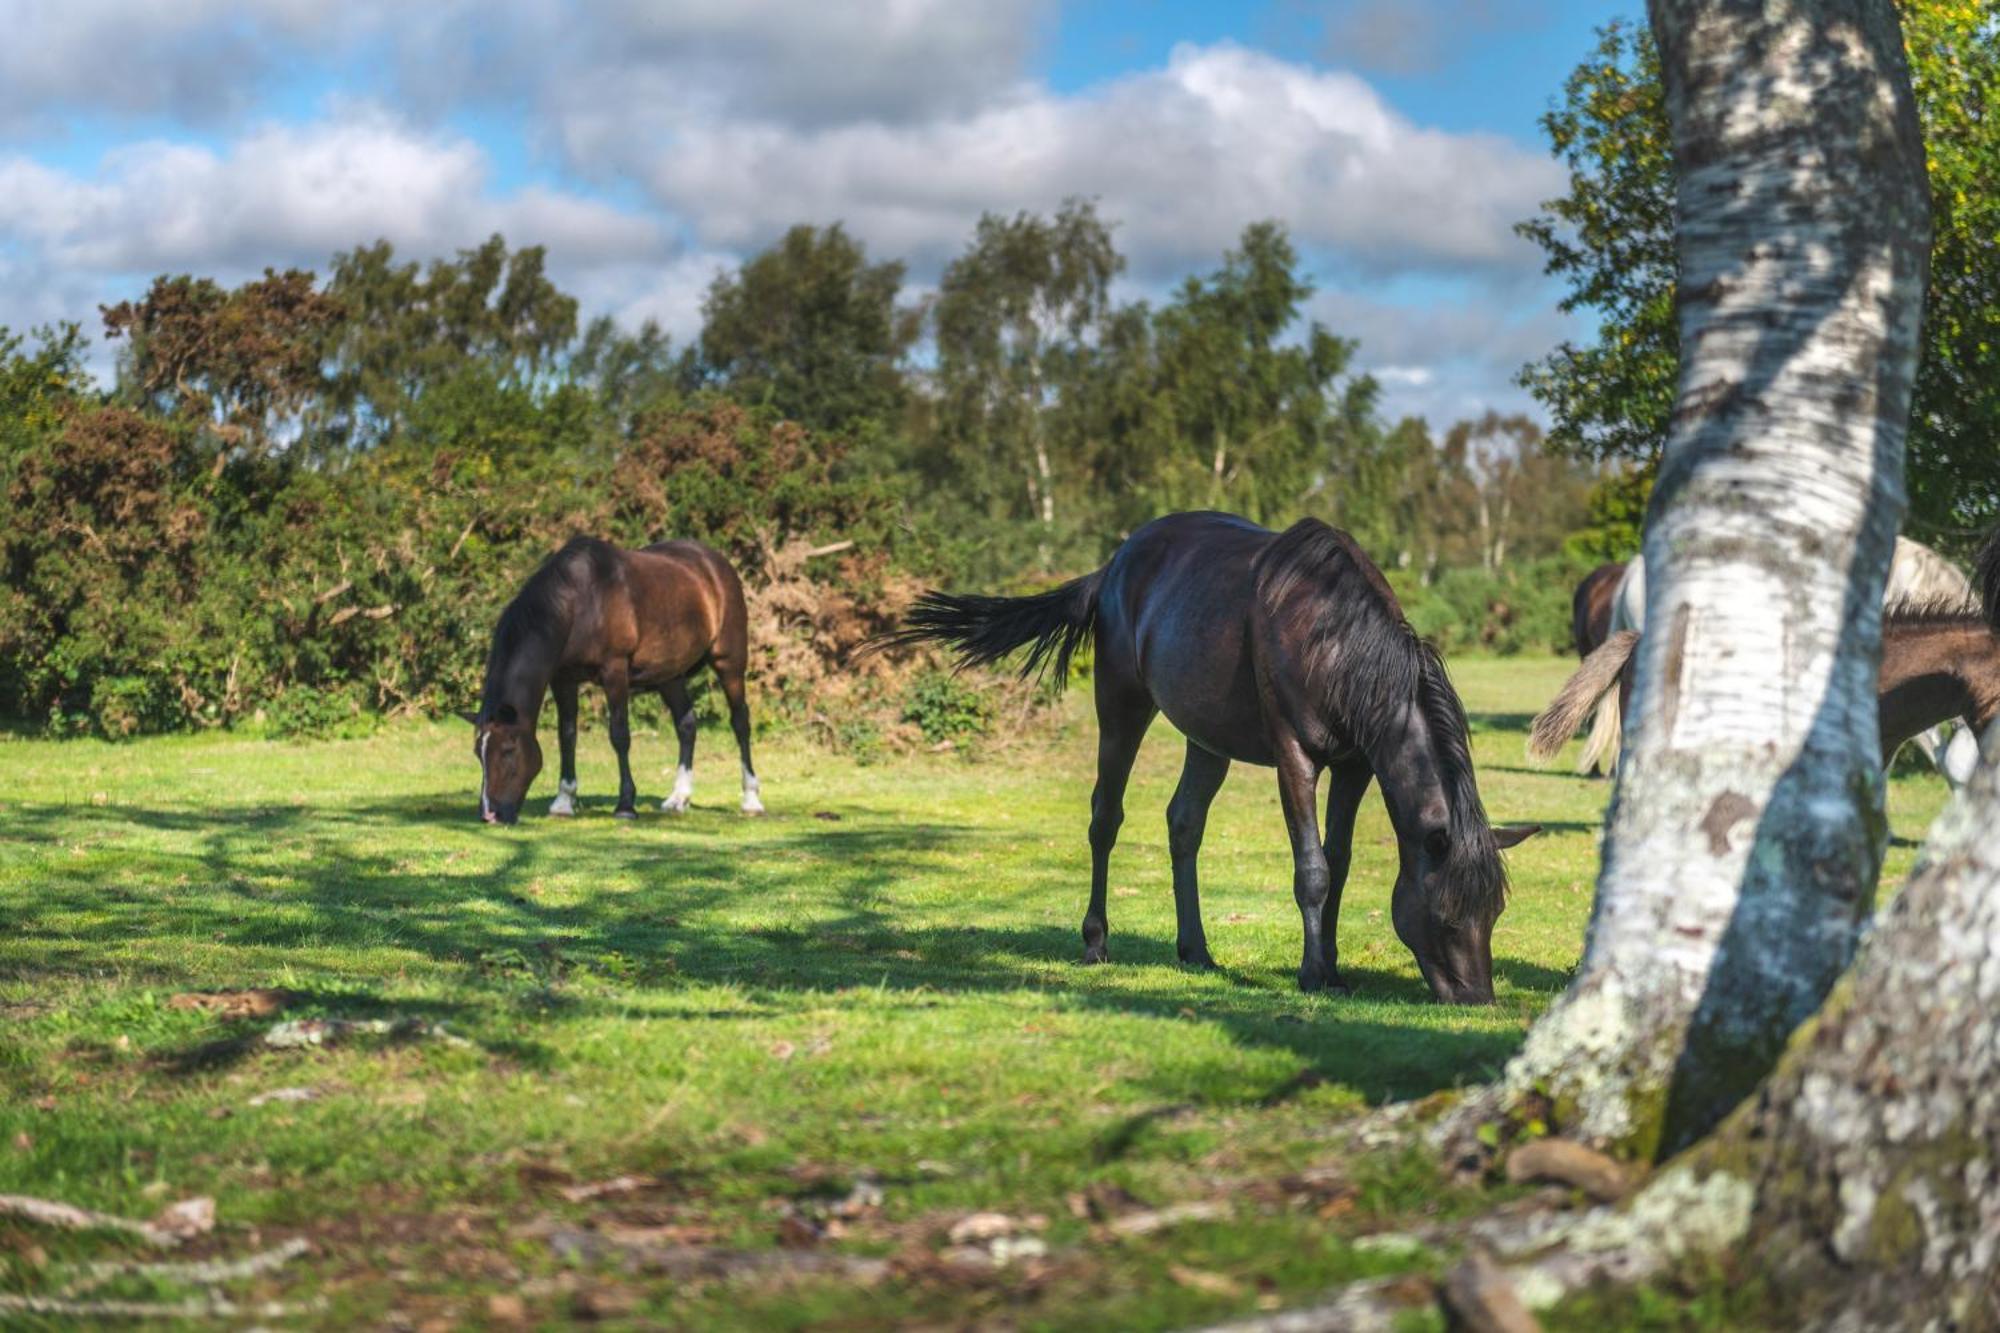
1862 1180
1746 833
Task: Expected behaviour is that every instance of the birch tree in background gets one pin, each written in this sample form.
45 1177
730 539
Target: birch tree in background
1747 830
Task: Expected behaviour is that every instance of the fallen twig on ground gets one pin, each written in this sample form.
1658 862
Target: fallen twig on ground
207 1272
190 1217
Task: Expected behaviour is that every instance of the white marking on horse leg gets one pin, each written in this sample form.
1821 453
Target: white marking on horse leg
565 801
683 791
1931 745
1960 757
752 805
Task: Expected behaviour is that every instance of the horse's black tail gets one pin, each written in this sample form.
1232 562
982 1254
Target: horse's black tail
1986 569
985 629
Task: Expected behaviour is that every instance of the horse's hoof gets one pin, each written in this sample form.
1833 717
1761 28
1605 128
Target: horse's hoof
674 805
624 814
561 809
1096 953
1201 962
753 807
1311 981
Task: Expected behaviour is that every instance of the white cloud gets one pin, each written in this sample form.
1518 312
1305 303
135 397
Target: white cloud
189 60
1417 36
295 195
1182 157
717 124
1454 356
804 61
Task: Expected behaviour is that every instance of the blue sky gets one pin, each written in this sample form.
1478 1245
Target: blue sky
651 143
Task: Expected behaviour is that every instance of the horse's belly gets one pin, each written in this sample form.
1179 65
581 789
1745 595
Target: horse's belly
1207 688
1239 739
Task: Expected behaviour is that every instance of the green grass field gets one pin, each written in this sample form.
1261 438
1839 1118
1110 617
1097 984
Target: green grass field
876 983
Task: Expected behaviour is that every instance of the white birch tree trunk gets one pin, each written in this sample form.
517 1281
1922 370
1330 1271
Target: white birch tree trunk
1862 1181
1746 833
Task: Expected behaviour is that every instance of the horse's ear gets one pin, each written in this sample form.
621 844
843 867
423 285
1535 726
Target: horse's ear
1513 834
473 718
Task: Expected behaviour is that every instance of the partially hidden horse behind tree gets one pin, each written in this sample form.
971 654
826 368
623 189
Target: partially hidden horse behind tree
1288 651
625 620
1920 580
1940 663
1590 619
1590 607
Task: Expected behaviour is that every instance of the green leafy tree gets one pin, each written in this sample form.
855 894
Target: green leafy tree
1610 239
239 364
409 329
813 330
1253 420
1027 296
630 373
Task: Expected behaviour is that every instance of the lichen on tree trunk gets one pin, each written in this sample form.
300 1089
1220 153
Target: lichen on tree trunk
1875 1146
1746 833
1862 1181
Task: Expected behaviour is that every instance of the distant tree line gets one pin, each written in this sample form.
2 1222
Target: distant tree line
304 498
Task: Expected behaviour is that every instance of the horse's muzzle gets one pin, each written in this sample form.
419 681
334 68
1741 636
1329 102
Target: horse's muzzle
502 814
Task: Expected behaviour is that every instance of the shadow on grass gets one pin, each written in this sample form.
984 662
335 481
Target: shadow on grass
1482 723
683 928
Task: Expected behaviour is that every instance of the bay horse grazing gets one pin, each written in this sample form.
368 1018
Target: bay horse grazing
1919 580
626 620
1286 650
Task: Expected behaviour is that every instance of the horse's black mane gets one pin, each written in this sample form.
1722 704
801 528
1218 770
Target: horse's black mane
1925 615
1363 656
540 613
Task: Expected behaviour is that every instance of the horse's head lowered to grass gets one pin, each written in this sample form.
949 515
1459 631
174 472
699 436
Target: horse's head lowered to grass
509 758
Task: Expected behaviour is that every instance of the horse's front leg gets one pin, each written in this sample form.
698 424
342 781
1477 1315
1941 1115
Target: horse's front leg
565 689
1297 776
617 694
1343 799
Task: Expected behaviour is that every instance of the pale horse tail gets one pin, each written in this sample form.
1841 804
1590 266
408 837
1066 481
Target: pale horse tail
1595 685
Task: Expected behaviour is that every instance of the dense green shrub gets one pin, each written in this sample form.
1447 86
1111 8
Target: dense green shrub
946 707
1522 608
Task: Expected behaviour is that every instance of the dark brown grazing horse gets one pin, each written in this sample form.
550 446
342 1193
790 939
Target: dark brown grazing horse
626 620
1937 666
1590 607
1283 650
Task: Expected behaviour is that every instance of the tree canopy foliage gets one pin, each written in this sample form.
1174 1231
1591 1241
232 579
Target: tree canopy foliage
303 489
1610 239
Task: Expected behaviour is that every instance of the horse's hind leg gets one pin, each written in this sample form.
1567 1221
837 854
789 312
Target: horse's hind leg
564 689
1187 819
1122 719
617 693
1343 799
730 675
681 709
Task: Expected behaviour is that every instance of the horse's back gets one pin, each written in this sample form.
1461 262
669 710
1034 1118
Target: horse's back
685 607
1590 606
1173 620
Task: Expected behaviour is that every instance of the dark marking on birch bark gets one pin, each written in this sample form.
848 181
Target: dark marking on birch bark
1670 698
1725 813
